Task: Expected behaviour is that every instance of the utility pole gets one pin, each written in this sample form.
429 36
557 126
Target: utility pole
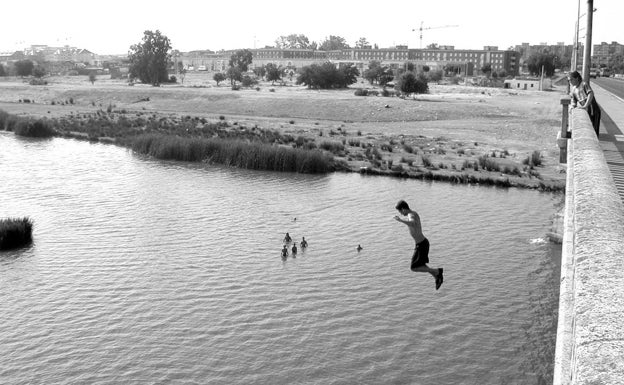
576 37
588 41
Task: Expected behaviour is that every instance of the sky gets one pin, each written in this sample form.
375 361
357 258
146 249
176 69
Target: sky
111 27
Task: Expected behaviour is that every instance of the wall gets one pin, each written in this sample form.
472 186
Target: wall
590 335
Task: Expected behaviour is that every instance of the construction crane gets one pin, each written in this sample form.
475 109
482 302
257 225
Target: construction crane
421 29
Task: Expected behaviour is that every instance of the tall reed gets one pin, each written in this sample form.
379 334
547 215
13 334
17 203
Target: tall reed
7 121
39 128
249 155
15 232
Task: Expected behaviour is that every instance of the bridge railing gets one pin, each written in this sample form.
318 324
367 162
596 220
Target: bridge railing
590 331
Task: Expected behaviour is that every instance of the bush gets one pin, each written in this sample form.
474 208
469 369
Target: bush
248 81
361 92
15 232
411 83
38 82
533 160
34 129
333 147
488 164
426 161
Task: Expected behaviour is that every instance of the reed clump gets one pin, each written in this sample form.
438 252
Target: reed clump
39 128
15 232
235 153
7 121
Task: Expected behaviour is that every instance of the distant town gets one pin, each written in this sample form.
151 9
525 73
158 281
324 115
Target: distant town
509 62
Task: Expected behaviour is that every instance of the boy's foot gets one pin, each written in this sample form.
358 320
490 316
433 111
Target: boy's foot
439 278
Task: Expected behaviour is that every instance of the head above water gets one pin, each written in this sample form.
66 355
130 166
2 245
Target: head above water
402 205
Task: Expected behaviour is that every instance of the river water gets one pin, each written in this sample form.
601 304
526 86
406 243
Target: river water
152 272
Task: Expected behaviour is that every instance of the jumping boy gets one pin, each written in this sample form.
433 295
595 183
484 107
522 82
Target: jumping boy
421 252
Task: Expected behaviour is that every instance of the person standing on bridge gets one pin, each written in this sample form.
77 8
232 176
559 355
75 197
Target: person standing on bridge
583 97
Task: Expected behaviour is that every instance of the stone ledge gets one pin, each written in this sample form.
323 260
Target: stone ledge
595 306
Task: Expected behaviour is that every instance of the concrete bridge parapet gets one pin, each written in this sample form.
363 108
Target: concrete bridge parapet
590 333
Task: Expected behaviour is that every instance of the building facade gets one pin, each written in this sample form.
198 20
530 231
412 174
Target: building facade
467 61
604 52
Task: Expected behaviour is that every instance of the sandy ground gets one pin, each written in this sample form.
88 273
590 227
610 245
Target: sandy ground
450 125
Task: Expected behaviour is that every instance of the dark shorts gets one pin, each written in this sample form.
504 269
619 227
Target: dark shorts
421 254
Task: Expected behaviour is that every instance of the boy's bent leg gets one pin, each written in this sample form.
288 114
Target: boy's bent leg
425 269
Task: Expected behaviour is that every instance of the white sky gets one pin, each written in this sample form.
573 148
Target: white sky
112 26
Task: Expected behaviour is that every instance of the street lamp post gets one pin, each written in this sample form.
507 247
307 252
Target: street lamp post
588 40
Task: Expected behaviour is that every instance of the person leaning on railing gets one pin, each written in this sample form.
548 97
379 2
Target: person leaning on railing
583 97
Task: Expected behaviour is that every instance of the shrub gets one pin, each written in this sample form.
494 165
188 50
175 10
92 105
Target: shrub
488 164
426 161
15 232
361 92
386 147
38 82
333 147
410 83
248 81
533 160
34 129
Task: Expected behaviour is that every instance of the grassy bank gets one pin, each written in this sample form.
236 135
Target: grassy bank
15 232
456 134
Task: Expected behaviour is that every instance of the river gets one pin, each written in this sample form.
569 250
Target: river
151 272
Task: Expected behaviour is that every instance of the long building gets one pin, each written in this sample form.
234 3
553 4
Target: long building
466 61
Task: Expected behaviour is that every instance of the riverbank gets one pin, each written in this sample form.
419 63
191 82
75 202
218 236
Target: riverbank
455 133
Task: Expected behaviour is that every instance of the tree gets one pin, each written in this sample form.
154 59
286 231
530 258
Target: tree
260 71
24 67
373 72
92 77
293 41
38 72
327 76
273 73
410 83
234 74
535 63
333 43
486 69
241 59
362 43
219 77
436 76
181 71
2 70
149 59
616 64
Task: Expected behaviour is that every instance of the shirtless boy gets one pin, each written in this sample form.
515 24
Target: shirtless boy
421 252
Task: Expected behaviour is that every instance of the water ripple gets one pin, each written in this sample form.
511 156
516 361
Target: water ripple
145 271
